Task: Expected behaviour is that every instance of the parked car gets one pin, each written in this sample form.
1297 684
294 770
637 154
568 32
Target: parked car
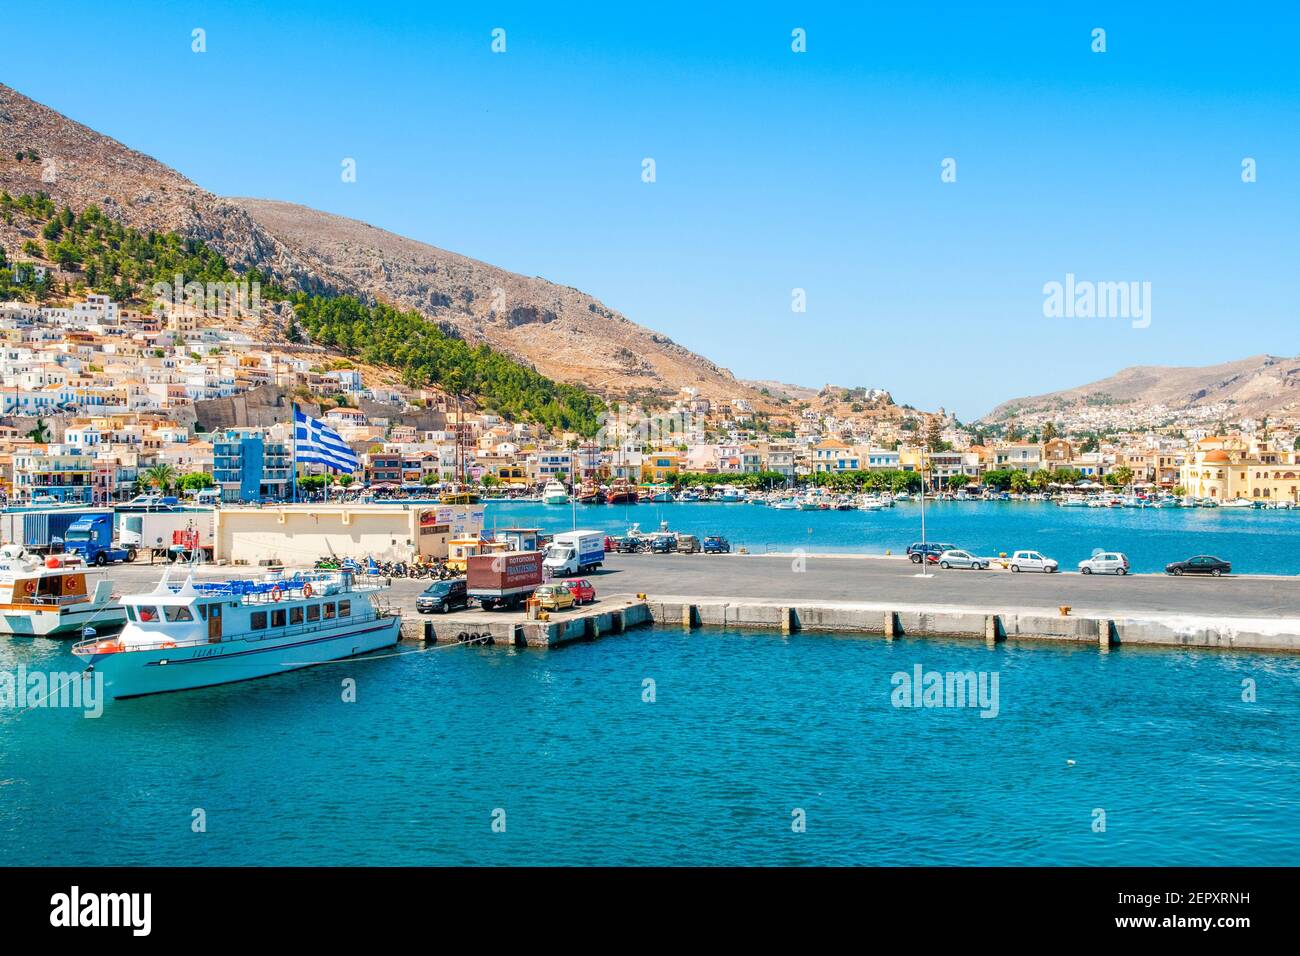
916 551
687 544
962 559
554 597
583 591
1033 561
716 544
442 596
1105 562
1201 564
662 544
628 545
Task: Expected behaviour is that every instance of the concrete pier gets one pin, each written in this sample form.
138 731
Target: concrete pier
1238 613
1020 624
511 629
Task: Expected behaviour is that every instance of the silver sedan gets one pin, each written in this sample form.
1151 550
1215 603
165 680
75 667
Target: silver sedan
962 559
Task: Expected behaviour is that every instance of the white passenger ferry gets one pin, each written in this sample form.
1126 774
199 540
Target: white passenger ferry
51 598
199 635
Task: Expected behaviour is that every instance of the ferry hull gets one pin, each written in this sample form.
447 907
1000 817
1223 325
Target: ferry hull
161 671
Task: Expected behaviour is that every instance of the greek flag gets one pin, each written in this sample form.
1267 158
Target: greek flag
315 443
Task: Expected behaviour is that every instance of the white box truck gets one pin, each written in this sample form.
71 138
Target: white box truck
574 552
170 535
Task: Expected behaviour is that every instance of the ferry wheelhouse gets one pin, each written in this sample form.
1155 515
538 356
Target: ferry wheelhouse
52 598
199 635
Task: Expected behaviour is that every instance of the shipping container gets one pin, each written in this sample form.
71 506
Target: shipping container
43 530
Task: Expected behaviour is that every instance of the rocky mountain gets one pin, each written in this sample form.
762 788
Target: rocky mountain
1255 386
564 333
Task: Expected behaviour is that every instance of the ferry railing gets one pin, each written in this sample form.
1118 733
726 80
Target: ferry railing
325 584
53 600
267 633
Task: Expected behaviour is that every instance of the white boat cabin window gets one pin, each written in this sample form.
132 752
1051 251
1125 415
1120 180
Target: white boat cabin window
295 615
178 613
345 608
148 614
257 620
328 607
313 612
278 617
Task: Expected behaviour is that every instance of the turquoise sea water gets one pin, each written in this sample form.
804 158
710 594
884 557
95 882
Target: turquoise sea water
745 728
1254 541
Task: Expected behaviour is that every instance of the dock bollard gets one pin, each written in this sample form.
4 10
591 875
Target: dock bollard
787 620
429 636
890 623
991 629
688 615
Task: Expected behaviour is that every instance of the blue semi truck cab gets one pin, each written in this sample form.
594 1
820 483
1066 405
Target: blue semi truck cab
91 538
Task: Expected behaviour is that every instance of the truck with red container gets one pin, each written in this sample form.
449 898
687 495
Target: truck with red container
505 579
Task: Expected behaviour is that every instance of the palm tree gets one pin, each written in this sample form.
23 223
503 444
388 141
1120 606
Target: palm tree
161 477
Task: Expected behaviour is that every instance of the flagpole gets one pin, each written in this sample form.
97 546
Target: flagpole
293 431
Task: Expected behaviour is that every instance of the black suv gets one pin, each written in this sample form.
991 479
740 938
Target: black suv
442 596
928 551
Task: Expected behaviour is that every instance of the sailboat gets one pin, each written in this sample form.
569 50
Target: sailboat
590 494
621 492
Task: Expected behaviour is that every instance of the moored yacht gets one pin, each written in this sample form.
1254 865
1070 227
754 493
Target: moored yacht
200 635
657 493
729 493
555 493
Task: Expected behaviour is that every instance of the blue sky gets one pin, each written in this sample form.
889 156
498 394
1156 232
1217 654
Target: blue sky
775 170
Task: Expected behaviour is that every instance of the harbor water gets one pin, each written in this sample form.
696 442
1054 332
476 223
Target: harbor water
1256 542
741 734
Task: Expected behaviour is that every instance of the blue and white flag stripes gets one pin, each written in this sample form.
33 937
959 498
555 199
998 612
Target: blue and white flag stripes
315 443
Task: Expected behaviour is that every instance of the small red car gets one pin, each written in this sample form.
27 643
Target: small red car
583 591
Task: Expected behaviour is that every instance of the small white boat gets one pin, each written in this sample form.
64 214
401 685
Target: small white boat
1237 503
50 598
785 504
181 638
555 493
